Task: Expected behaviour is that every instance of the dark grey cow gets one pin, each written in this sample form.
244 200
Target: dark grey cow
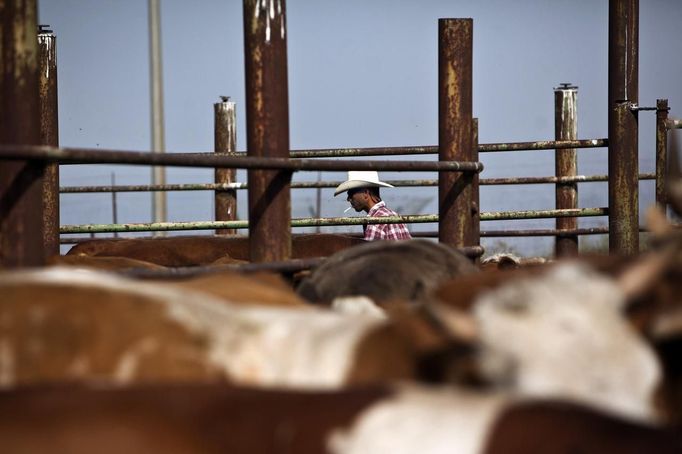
385 270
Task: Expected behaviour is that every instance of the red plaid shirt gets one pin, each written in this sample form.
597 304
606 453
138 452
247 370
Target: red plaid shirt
385 231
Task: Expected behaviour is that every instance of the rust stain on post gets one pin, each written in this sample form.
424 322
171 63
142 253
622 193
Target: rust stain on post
661 147
623 150
21 209
455 141
267 123
566 165
49 135
225 142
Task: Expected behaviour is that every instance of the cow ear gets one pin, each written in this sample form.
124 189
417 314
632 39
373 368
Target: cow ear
453 323
657 223
643 272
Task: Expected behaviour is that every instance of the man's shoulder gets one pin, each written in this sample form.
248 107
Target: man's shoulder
383 211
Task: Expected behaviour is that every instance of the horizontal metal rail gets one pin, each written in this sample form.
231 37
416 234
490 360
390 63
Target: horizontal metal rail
434 233
545 232
503 233
333 184
313 222
433 149
543 214
554 180
525 233
96 156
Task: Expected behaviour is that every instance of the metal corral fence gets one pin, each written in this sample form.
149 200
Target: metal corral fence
29 181
566 180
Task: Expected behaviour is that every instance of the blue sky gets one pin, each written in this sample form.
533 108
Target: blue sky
361 73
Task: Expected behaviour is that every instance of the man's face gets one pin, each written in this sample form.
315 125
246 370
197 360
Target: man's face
358 199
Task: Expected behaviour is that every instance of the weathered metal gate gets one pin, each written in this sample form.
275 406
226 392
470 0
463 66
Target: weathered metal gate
269 163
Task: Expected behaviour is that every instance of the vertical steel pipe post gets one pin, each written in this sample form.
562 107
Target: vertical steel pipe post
49 135
225 142
475 193
566 165
21 182
267 124
661 150
623 151
158 173
455 141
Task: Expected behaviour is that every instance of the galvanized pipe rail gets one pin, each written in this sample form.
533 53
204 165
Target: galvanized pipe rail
434 233
97 156
425 149
433 149
322 222
508 233
333 184
531 232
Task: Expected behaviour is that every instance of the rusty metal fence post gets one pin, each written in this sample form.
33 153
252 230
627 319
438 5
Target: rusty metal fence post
475 192
661 150
225 141
455 141
49 135
21 182
267 124
623 150
566 165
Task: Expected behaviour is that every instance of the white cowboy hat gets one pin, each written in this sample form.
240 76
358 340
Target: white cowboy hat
361 179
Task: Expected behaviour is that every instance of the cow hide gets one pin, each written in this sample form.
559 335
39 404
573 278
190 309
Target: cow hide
384 271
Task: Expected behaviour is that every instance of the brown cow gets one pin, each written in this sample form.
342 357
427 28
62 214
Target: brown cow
404 419
204 250
63 324
103 263
255 288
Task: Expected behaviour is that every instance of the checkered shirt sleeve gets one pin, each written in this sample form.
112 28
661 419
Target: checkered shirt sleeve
385 231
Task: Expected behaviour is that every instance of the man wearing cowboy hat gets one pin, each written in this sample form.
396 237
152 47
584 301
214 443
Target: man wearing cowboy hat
363 195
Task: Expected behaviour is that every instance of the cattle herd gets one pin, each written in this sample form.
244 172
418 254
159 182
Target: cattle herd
396 347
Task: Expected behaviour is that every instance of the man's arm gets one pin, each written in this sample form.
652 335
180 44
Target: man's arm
375 232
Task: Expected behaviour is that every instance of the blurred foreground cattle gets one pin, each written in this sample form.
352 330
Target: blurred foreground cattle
561 332
62 324
205 250
262 288
397 419
385 271
605 331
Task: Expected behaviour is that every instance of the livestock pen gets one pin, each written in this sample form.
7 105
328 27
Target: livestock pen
398 344
270 168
